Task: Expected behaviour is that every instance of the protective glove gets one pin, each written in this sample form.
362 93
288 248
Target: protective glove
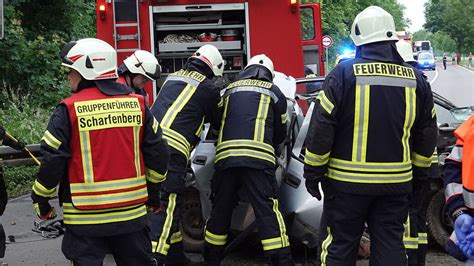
463 226
45 211
13 142
312 186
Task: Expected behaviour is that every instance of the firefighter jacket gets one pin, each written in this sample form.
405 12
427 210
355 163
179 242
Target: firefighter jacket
187 100
105 151
253 123
374 125
458 171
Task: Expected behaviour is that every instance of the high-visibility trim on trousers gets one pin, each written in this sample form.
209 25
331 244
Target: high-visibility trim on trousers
176 238
281 225
370 166
214 239
163 247
274 243
325 247
368 178
422 239
75 216
408 241
314 159
41 190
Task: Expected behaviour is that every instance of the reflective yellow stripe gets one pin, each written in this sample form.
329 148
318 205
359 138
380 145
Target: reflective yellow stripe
162 246
245 142
361 123
154 245
178 105
108 185
217 240
177 136
314 159
274 243
154 176
420 160
410 113
325 247
367 178
176 145
422 239
247 153
49 139
325 102
112 198
200 128
433 112
221 103
259 131
284 118
41 190
281 224
86 154
408 241
79 217
155 125
224 116
136 149
176 237
369 166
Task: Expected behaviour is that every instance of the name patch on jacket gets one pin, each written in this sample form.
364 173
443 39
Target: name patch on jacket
190 74
250 82
108 113
383 69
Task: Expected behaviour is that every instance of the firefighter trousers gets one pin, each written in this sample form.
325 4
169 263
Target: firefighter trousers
345 217
127 249
262 191
415 237
167 243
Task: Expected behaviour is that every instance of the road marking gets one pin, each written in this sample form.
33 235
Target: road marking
435 77
465 68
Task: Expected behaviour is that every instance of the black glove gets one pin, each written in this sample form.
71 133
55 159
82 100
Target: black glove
14 143
312 185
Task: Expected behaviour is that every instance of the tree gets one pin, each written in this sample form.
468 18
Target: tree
452 17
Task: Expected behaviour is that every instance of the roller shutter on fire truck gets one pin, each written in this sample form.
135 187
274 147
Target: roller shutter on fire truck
174 29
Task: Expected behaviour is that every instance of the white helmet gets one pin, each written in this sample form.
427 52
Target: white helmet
94 59
373 24
210 55
405 50
264 61
143 63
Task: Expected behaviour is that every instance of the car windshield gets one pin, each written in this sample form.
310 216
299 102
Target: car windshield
425 56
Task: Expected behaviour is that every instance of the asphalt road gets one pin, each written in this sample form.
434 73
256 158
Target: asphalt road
455 83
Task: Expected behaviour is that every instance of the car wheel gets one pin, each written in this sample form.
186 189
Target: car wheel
440 224
192 223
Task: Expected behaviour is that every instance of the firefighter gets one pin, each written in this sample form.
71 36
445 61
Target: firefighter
458 187
104 148
415 237
372 132
137 70
17 145
252 128
187 100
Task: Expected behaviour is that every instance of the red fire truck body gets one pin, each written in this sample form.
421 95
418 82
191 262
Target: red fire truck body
173 29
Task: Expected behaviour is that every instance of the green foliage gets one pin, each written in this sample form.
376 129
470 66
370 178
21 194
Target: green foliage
453 17
23 120
35 31
19 179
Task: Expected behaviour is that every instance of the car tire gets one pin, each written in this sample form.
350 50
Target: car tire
439 224
192 223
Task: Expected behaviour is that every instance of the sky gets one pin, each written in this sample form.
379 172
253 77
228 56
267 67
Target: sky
415 12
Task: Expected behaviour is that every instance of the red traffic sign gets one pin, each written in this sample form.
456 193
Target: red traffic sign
327 41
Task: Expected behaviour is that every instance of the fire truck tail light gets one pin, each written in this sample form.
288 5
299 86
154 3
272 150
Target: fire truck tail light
293 4
102 11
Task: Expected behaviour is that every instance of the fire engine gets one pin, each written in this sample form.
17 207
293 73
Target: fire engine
286 31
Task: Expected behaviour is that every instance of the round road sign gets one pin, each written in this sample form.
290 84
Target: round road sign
327 41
